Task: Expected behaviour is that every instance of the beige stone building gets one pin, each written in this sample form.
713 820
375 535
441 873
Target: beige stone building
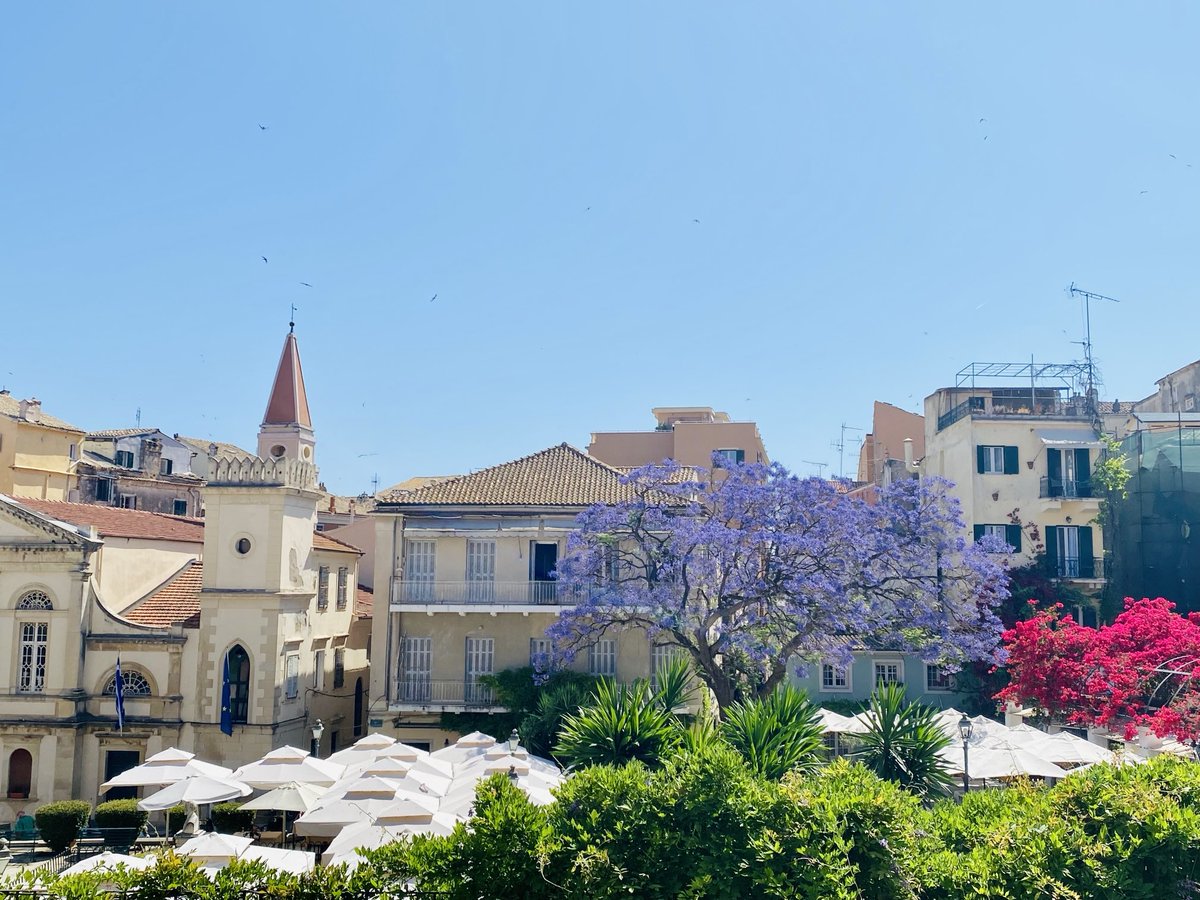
38 452
895 441
466 567
689 435
253 584
1020 442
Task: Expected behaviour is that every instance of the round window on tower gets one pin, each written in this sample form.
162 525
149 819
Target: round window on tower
306 452
277 451
242 546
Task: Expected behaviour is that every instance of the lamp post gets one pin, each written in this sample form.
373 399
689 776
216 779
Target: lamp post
964 730
514 741
317 730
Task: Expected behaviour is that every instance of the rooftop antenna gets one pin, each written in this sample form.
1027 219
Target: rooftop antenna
138 417
820 466
375 485
840 447
292 321
1088 297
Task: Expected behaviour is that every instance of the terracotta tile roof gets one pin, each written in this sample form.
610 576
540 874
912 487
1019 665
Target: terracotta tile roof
557 476
175 601
10 406
111 433
364 602
223 449
679 476
417 481
322 541
114 521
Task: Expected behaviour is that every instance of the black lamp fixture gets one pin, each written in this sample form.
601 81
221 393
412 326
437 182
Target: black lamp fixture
318 729
514 741
964 730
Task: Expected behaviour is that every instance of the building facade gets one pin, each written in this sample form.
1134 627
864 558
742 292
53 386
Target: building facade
38 452
689 435
138 468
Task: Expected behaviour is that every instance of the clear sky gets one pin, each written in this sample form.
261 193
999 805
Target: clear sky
884 192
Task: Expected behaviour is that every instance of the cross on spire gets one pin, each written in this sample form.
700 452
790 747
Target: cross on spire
292 323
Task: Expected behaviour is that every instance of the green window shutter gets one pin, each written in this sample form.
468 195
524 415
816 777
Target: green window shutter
1087 559
1011 463
980 451
1012 534
1054 472
1083 471
741 456
1052 549
978 532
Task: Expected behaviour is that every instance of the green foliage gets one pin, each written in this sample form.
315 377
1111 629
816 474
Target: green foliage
230 818
625 723
902 742
59 823
120 814
176 817
776 735
540 729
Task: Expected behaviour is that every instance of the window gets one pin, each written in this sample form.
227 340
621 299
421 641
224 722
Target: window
1068 473
116 762
937 679
31 676
20 774
834 678
729 456
242 546
35 600
416 661
889 673
420 558
133 684
104 490
1008 534
541 654
996 460
238 662
1070 552
128 501
481 570
125 459
602 658
73 452
481 653
166 466
343 585
179 507
339 667
323 587
319 670
291 681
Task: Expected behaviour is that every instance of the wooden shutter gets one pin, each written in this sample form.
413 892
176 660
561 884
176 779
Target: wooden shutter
1011 463
980 452
1012 534
1087 559
1054 471
1083 473
978 532
1052 549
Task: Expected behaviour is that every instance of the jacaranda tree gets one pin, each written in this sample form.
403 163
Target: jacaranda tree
751 569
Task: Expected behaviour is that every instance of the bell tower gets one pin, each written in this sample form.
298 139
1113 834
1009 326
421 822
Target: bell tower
286 431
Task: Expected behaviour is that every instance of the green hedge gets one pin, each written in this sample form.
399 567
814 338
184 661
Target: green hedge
230 818
59 823
176 817
120 814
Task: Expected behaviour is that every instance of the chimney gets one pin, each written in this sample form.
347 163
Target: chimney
30 409
151 456
909 465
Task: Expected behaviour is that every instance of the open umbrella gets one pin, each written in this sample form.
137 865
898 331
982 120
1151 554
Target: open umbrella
369 835
999 762
287 765
832 722
197 790
167 767
108 860
329 819
291 797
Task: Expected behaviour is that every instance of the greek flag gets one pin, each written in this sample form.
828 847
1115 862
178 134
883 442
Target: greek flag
119 684
226 705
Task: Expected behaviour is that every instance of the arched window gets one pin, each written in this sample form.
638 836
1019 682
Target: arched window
136 684
35 600
20 774
239 684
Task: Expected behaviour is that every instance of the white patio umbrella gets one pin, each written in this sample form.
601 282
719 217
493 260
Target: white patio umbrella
211 847
167 767
108 860
408 776
287 765
297 862
839 724
291 797
329 819
459 802
1068 749
370 835
998 762
197 790
465 747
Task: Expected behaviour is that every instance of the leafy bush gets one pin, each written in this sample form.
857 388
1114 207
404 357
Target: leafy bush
59 823
230 818
176 817
625 723
776 735
902 742
120 814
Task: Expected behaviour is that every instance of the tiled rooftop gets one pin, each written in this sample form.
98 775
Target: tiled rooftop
322 541
203 444
114 521
111 433
176 601
558 476
10 407
364 602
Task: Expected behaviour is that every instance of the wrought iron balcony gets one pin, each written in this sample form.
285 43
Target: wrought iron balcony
1071 567
417 691
483 593
1065 488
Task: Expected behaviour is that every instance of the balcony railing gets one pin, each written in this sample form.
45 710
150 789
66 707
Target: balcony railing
416 691
518 593
1068 488
1075 567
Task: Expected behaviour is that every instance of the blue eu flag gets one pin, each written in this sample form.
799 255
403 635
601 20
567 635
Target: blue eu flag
226 706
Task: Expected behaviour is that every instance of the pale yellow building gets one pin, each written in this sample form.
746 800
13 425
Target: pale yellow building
38 452
465 565
260 588
689 435
1020 444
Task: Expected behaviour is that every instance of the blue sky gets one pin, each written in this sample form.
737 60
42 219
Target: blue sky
539 168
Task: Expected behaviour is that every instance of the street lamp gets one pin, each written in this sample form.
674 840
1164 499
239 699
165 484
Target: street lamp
514 741
964 729
317 730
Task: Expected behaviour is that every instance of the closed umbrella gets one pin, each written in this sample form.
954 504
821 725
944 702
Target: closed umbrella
166 767
287 765
197 790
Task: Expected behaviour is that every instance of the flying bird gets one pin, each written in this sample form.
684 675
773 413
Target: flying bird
1143 192
361 455
697 221
1172 155
264 259
306 284
981 121
434 297
262 127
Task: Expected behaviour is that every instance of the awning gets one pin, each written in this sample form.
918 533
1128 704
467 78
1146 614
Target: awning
1068 437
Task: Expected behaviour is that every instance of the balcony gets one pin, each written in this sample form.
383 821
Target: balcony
1068 489
416 693
1075 568
425 594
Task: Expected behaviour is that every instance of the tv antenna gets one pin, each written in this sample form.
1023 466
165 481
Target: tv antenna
138 417
375 485
820 466
1088 297
840 447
